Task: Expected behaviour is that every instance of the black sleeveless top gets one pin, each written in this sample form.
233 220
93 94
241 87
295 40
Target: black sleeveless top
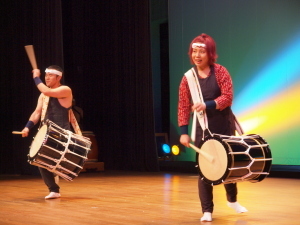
58 114
219 122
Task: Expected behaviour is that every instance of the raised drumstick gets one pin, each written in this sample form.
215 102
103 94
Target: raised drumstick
30 53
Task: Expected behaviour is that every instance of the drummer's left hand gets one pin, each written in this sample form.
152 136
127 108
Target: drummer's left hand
25 132
199 107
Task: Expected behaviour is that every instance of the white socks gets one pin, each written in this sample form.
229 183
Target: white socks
206 217
237 207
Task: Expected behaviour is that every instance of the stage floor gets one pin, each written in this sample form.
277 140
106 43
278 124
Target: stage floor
118 197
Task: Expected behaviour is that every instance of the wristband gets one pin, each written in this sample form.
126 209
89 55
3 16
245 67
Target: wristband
37 80
29 124
211 104
184 129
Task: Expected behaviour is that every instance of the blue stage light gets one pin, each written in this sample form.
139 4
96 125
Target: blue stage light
166 148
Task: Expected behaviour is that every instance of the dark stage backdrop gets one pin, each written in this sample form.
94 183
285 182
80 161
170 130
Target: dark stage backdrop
104 48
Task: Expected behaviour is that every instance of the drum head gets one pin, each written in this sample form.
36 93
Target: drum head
38 141
215 171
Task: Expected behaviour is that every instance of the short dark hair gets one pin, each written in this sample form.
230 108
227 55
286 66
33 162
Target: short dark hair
55 67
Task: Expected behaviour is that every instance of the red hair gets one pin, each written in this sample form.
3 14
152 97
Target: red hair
210 47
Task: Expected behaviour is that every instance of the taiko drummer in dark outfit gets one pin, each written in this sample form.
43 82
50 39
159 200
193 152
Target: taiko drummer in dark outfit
217 90
60 102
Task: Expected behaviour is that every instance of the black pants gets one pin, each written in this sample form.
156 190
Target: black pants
49 180
206 194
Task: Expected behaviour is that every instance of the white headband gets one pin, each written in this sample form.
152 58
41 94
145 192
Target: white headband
198 45
53 71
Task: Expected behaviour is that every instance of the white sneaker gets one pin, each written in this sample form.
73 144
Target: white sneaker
237 207
206 217
53 195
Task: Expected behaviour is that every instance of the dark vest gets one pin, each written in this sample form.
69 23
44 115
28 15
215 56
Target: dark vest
219 122
58 114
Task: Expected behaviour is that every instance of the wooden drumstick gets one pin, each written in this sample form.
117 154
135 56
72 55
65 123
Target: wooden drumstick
18 132
30 53
202 153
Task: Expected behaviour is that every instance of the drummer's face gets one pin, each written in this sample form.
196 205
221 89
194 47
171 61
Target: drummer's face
200 57
51 79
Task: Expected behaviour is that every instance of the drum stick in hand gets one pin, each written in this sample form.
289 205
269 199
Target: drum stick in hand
30 53
18 132
204 154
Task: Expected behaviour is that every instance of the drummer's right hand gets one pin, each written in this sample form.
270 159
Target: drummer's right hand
25 132
185 140
36 73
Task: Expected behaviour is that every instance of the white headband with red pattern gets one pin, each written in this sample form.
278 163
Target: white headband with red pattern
198 45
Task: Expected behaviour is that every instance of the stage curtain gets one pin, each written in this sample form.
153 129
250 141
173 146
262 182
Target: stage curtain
104 48
107 52
31 22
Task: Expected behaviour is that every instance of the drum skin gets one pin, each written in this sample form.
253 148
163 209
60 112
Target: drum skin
235 159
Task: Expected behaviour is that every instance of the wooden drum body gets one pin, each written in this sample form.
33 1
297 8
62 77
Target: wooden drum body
93 154
235 158
59 151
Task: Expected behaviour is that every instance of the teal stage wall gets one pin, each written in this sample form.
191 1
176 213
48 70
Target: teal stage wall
258 42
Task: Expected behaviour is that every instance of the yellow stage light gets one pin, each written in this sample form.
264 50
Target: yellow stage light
175 150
